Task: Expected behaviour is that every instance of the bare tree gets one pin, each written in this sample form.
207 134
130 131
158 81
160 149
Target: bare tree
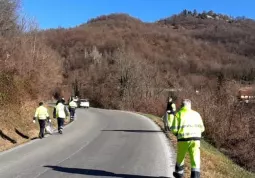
8 17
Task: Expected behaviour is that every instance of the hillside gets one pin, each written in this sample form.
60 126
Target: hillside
120 62
26 69
236 34
123 63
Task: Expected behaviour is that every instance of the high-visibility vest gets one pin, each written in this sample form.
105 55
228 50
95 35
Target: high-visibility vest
173 107
41 113
61 110
72 104
187 125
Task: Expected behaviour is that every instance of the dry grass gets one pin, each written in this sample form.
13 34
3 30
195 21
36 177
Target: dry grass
16 124
214 164
24 125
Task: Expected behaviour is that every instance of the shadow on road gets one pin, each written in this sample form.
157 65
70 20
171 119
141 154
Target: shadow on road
138 131
92 172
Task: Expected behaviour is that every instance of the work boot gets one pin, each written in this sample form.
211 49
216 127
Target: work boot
166 129
195 174
177 175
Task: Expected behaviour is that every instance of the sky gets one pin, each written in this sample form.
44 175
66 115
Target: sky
71 13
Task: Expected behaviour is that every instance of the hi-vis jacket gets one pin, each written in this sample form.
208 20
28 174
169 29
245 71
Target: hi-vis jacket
187 125
41 113
72 105
61 111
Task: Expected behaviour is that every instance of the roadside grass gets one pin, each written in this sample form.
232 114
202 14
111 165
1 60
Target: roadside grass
27 129
214 164
16 125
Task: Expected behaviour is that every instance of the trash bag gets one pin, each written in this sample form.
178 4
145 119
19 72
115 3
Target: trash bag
49 129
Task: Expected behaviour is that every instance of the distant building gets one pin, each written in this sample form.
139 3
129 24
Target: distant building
246 94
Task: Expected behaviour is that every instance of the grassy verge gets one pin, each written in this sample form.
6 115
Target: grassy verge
26 129
16 126
214 164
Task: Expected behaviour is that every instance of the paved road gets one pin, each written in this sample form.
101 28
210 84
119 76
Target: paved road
100 143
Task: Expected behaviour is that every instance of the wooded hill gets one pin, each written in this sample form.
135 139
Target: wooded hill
120 62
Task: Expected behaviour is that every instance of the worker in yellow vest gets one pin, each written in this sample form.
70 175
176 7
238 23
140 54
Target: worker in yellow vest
42 115
169 115
72 107
61 114
188 127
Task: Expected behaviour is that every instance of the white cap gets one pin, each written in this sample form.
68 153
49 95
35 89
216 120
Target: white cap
186 103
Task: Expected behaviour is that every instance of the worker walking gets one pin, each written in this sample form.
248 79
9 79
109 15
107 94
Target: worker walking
169 115
188 127
42 115
61 113
72 108
55 109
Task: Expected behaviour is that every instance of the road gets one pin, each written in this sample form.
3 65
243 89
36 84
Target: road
100 143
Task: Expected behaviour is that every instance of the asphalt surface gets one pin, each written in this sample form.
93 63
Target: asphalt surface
99 143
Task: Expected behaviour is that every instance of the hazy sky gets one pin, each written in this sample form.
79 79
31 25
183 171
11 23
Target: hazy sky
69 13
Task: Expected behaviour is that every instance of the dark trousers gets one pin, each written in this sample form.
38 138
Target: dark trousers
72 112
42 128
60 123
165 120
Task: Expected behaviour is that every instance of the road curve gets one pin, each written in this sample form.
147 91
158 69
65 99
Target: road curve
100 143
